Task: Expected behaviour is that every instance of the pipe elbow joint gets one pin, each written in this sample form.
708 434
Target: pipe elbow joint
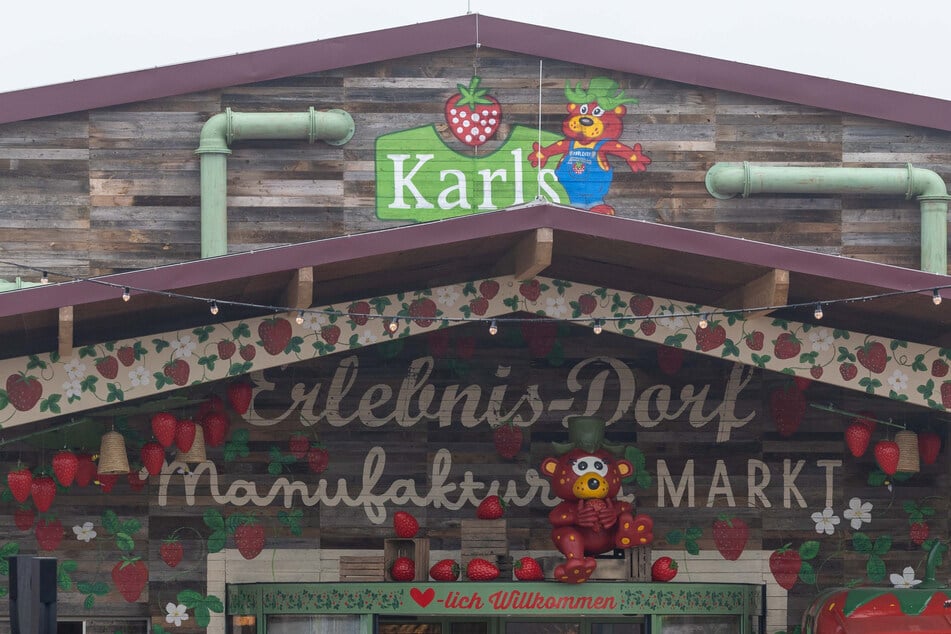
924 184
215 134
334 127
728 180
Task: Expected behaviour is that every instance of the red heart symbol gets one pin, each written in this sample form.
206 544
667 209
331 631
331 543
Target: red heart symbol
422 598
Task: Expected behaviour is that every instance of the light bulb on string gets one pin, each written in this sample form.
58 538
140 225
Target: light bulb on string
493 328
394 324
703 321
818 312
45 279
936 297
126 294
597 327
299 318
214 307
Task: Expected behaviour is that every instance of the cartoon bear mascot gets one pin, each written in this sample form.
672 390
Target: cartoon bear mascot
590 520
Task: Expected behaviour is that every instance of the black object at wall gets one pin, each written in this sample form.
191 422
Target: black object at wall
32 595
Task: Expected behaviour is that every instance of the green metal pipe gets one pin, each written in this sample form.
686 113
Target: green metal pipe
334 127
726 180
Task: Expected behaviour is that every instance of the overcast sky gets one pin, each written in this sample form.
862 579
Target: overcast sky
897 45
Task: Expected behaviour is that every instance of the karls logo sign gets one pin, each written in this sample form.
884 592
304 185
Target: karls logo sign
424 175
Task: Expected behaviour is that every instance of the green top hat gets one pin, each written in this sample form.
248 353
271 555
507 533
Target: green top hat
587 432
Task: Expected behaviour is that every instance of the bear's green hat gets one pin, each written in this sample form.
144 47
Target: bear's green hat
587 432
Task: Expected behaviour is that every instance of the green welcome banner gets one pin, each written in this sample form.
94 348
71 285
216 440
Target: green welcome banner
419 178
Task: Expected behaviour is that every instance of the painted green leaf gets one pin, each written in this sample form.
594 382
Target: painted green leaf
809 550
202 616
216 541
674 537
213 519
694 532
110 521
807 573
861 543
691 547
124 542
214 604
189 598
875 568
882 545
90 602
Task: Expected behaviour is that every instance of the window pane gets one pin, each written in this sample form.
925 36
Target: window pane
316 624
405 627
726 624
535 627
617 628
469 627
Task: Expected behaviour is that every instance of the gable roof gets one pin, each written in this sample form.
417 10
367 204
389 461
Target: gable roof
470 30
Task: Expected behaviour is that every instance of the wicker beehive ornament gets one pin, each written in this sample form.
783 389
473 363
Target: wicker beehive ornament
196 452
908 459
112 456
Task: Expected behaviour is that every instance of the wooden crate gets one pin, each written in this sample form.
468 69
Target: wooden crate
631 564
358 568
485 539
416 549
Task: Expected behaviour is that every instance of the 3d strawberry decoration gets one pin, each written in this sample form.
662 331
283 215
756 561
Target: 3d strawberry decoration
473 114
171 551
405 525
479 569
107 481
153 457
528 569
212 404
507 438
185 434
491 508
403 569
444 570
65 464
730 535
929 446
164 426
215 426
787 405
249 538
886 455
43 490
239 397
663 569
20 480
85 470
857 437
130 576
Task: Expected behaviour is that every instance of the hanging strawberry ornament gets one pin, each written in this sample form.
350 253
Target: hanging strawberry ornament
164 426
886 455
85 470
239 397
857 437
43 490
929 446
185 434
65 465
20 480
153 457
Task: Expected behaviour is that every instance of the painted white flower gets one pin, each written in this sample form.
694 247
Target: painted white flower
84 533
447 295
858 512
72 388
140 376
556 306
368 338
906 579
826 521
315 321
670 323
898 381
821 339
176 614
75 369
183 347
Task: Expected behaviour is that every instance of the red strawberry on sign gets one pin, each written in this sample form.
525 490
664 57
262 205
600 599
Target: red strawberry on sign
164 426
185 434
178 371
171 552
648 327
848 371
153 457
787 405
444 570
479 305
359 313
239 397
215 426
422 311
330 334
929 446
530 290
873 356
664 569
248 351
946 394
507 438
317 459
107 481
491 508
528 569
107 366
405 525
857 437
403 569
126 355
755 340
886 455
540 337
65 464
711 337
226 349
130 576
785 565
786 346
939 368
23 391
249 538
480 569
49 534
275 334
299 445
43 490
24 517
670 359
918 532
730 535
641 305
473 114
20 480
489 289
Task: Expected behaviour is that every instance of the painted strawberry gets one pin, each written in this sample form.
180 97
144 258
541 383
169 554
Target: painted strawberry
648 327
479 305
528 569
465 347
153 457
23 391
929 446
437 343
359 313
330 334
164 426
65 464
23 517
177 370
226 349
171 552
670 359
787 405
107 366
85 470
49 534
299 445
816 372
249 538
848 371
946 394
403 569
480 569
530 290
489 289
540 337
185 431
939 368
730 535
248 352
587 303
130 576
755 340
491 508
43 491
136 480
317 459
886 455
663 569
507 438
711 337
239 397
211 404
422 311
126 355
641 305
786 346
473 114
215 426
857 437
20 480
873 356
785 565
918 532
444 570
275 334
405 525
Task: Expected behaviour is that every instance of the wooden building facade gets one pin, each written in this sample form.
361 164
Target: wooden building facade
387 297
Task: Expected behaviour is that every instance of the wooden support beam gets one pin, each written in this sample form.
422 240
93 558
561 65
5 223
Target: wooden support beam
771 289
65 332
300 290
533 253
